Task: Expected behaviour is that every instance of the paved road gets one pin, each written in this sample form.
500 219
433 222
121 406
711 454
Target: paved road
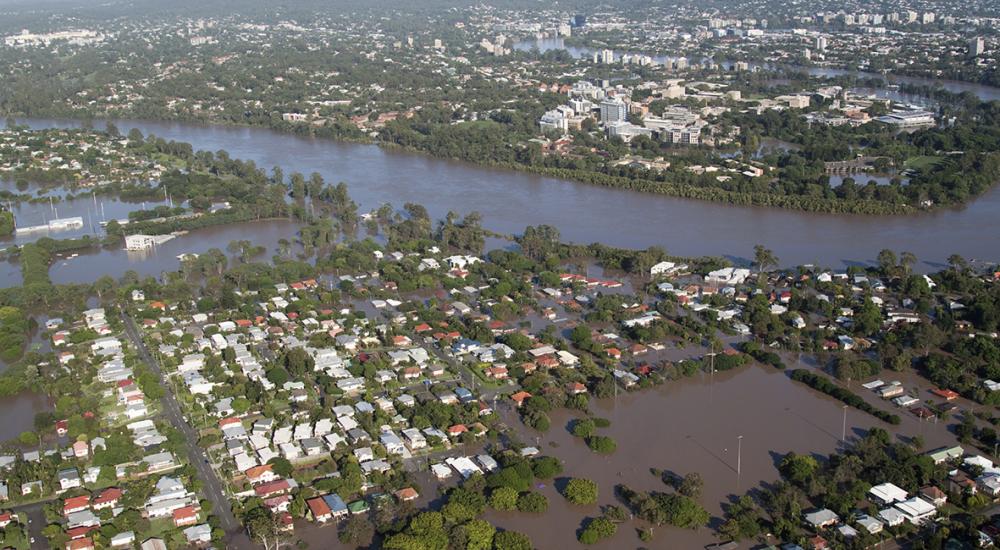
36 522
212 486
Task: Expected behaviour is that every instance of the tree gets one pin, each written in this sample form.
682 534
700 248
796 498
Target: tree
742 520
581 491
869 320
479 534
763 257
887 261
298 361
278 376
357 531
682 511
504 499
281 466
601 444
28 439
583 428
533 502
546 467
241 404
597 530
691 486
511 540
264 529
798 468
457 512
907 260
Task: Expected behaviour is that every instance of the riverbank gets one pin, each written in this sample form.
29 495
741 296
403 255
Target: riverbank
592 177
511 200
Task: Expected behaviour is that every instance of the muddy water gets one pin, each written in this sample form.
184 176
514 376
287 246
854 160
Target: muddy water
93 210
694 426
18 413
89 266
509 201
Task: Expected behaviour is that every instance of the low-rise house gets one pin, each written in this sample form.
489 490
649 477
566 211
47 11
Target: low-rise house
945 454
123 540
869 524
85 543
338 508
108 498
83 518
887 494
69 479
31 488
989 485
261 474
76 504
277 487
892 517
935 496
198 534
188 515
319 510
916 510
821 519
406 494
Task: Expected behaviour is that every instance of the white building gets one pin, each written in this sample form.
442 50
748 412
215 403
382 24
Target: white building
139 242
613 110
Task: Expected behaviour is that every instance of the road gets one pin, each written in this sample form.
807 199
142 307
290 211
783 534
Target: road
36 522
211 484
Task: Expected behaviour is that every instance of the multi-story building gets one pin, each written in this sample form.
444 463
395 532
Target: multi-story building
977 46
613 110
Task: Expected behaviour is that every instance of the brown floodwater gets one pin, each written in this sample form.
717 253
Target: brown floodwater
510 200
693 426
18 413
89 266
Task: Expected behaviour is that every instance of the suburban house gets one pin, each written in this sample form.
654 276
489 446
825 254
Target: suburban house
821 519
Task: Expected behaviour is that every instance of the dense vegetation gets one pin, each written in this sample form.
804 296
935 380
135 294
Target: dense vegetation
823 384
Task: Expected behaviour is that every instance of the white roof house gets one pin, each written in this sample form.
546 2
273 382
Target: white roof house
661 268
892 517
887 493
869 524
916 510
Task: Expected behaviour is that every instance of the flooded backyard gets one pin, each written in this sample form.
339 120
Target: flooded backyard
18 413
690 426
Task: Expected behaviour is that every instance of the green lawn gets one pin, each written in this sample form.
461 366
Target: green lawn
921 163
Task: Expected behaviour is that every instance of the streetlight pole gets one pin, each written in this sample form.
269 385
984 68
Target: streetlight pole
843 429
739 460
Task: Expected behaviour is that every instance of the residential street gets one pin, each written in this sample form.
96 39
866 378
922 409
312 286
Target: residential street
213 487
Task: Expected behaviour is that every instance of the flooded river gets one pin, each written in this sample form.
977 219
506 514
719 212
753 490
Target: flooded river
509 201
